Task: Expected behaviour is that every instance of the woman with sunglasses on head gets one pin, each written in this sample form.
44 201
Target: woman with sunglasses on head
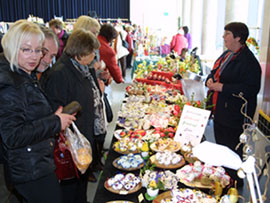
28 124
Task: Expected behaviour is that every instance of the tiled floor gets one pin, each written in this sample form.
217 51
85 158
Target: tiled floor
116 94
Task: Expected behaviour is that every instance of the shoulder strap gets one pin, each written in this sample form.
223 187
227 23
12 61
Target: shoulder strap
121 35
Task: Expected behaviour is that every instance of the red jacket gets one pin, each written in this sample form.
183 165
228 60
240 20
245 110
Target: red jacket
130 41
107 54
178 43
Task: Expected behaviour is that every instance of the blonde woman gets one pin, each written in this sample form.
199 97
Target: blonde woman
27 123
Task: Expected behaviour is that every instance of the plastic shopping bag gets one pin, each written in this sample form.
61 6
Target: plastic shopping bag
80 148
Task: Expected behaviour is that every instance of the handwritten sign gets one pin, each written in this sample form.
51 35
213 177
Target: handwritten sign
191 125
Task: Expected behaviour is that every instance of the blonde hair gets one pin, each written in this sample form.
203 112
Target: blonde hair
86 23
21 30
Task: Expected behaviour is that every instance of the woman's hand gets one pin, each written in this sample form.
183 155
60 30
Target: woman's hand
209 82
215 86
65 119
101 85
104 75
97 65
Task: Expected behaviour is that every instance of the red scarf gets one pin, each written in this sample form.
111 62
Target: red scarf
220 62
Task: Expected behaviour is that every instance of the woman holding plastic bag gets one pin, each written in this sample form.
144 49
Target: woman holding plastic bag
70 80
28 124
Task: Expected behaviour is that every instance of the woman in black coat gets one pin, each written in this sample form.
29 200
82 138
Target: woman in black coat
236 72
28 124
70 80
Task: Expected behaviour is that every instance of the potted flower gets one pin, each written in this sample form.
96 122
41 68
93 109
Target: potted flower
153 188
145 150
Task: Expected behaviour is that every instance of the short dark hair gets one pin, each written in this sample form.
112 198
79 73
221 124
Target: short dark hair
81 43
238 29
108 31
185 28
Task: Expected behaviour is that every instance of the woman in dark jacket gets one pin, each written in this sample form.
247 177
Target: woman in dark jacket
68 80
27 122
90 24
236 72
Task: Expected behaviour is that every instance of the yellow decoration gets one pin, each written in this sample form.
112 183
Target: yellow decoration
153 184
218 190
145 147
233 195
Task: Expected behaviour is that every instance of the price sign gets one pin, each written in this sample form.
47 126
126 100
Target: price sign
191 125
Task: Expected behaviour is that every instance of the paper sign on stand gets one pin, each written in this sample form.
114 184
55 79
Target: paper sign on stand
191 125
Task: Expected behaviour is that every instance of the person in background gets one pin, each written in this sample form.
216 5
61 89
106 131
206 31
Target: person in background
70 80
49 49
106 36
183 54
129 39
1 36
236 72
120 50
164 47
178 42
92 25
57 27
188 37
28 125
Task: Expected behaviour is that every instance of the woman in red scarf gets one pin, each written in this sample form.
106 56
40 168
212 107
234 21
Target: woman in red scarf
235 72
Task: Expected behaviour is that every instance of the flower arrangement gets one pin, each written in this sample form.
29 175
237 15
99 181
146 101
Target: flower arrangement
156 184
152 181
182 101
252 44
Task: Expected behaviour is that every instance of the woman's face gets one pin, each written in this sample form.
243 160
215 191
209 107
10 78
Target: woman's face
87 59
94 30
29 54
230 42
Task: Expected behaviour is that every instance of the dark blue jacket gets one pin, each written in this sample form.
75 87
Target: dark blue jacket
27 125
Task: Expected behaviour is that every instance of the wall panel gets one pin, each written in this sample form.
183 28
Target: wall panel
12 10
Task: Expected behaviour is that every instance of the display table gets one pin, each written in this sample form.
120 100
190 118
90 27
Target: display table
102 194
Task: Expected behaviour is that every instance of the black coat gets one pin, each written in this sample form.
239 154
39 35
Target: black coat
243 74
65 84
27 125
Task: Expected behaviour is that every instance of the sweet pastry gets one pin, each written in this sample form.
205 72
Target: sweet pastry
204 174
121 182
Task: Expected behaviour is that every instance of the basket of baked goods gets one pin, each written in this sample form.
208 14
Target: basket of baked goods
184 195
129 162
201 175
167 160
165 144
123 184
128 145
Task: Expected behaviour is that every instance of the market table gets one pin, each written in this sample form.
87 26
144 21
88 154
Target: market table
102 194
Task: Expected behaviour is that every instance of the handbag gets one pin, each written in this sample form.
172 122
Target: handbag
124 42
65 167
108 109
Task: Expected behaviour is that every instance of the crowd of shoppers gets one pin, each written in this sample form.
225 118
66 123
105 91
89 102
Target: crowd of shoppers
32 96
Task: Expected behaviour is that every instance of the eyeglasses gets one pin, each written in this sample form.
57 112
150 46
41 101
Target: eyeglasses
28 51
